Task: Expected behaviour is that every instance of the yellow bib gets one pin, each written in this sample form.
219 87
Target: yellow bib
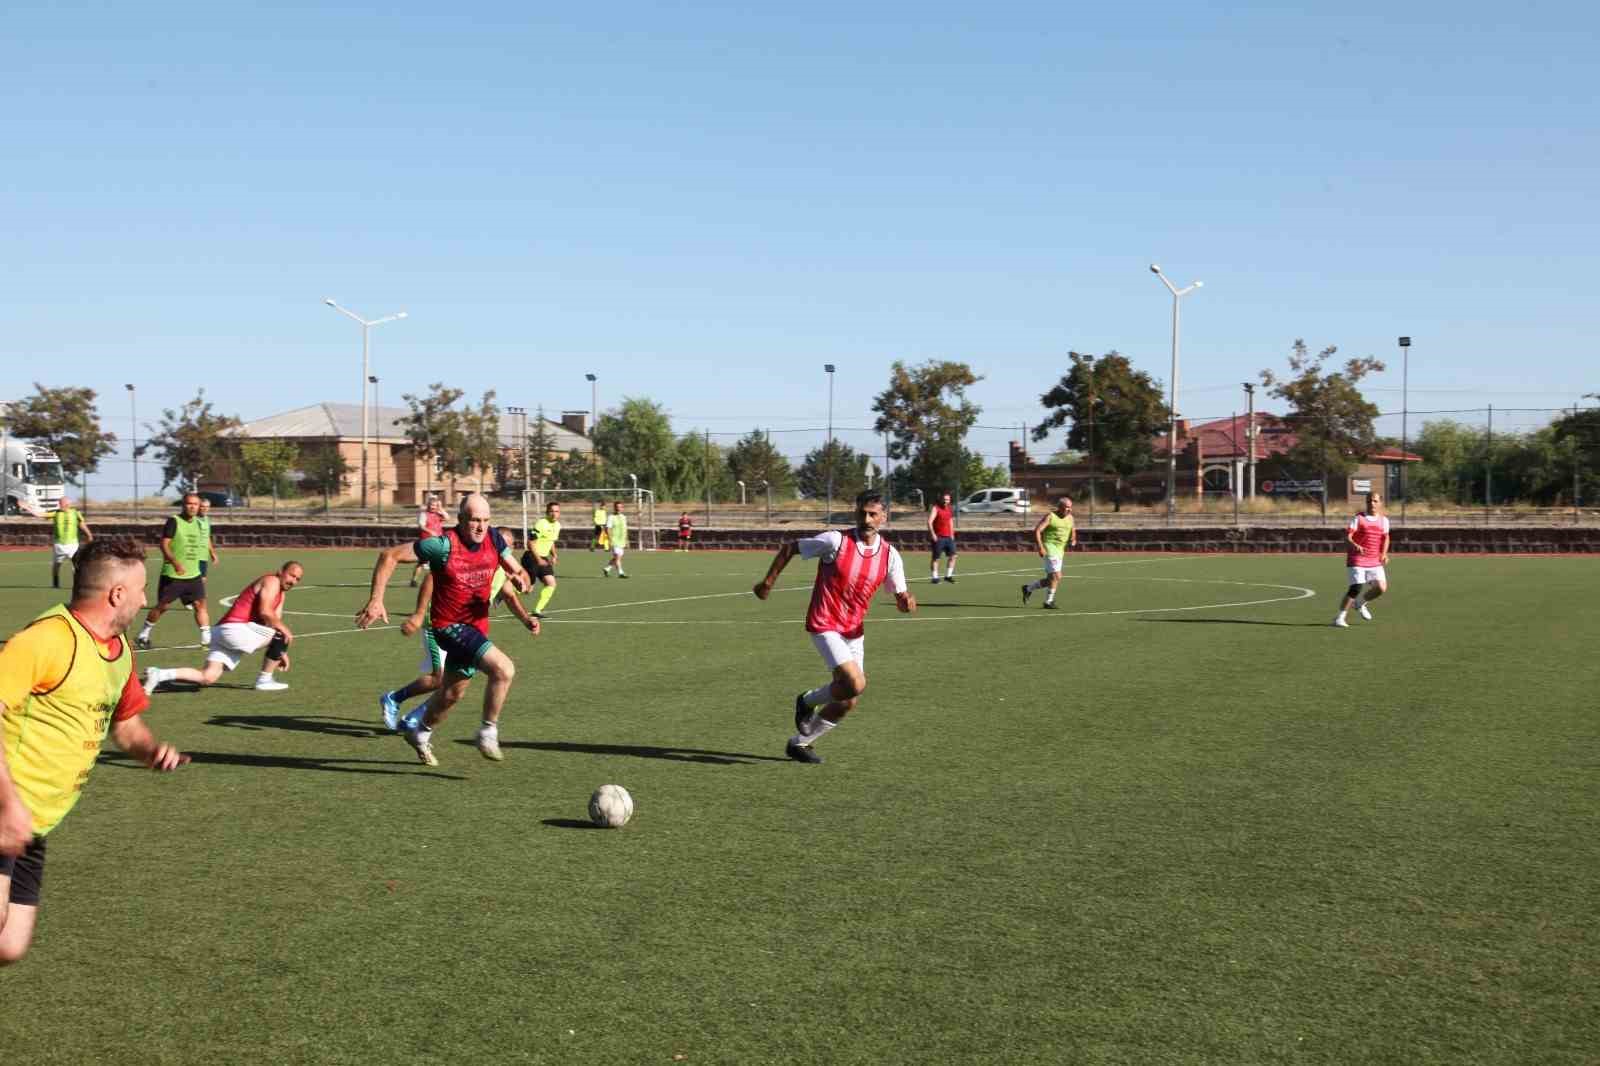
53 739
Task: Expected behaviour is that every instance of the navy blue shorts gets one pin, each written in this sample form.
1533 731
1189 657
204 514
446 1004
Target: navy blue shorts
464 648
26 872
944 546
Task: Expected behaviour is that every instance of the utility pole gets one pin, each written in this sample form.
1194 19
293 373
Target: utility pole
1250 437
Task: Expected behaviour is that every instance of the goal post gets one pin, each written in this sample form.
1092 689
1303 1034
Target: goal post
576 505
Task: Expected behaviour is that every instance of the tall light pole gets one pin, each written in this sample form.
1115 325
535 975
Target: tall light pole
1405 413
366 373
527 465
1172 428
377 407
594 421
828 369
133 421
1250 437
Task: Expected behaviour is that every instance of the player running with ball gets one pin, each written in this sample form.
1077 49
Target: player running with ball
854 564
1368 537
463 561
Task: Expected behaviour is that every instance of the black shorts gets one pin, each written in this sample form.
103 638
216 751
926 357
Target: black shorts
944 546
26 872
188 589
536 569
598 530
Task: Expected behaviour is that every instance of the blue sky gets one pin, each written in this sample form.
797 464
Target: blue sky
704 203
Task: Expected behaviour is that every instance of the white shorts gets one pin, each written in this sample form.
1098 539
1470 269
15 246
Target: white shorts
1360 575
232 641
62 552
1052 564
617 550
836 650
432 654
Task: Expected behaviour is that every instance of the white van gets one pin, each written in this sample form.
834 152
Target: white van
996 501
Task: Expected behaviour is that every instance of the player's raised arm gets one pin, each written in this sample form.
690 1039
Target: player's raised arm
786 551
388 559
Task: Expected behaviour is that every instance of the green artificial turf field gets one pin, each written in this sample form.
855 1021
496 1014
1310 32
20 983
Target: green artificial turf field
1180 820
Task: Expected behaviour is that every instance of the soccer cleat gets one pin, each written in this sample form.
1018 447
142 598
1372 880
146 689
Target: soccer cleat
606 572
270 686
1027 594
142 642
1050 605
1340 623
423 748
150 682
801 714
1361 608
801 752
621 574
489 746
948 580
934 580
391 711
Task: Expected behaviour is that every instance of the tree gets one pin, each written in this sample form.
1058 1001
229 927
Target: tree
754 460
65 421
943 467
636 438
697 462
480 429
1332 420
264 466
325 470
1449 453
1115 413
849 471
435 430
926 413
541 446
191 439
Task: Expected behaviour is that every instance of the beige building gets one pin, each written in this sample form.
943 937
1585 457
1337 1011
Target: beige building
396 475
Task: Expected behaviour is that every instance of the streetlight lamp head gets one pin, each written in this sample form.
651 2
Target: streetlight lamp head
330 302
1405 342
1199 284
1155 268
588 377
402 314
827 367
128 387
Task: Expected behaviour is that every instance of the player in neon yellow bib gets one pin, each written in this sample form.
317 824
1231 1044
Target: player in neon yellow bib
1054 534
67 528
540 558
617 534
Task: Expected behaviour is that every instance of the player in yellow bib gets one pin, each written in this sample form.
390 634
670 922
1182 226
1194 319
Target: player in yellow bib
540 558
617 534
1054 534
600 515
67 528
66 682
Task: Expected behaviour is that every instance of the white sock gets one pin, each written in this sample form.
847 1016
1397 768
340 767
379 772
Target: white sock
161 677
205 634
144 633
818 726
263 677
1050 597
1035 586
1342 611
819 695
489 729
424 735
950 568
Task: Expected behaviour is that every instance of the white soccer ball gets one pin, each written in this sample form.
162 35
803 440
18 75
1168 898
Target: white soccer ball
610 806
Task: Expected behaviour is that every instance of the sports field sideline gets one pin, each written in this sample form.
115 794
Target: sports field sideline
1180 820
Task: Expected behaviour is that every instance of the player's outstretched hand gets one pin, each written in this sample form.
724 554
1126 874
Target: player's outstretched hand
761 590
533 625
905 603
373 612
285 661
16 829
166 759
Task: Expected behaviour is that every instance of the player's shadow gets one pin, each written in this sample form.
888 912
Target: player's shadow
924 605
290 762
189 688
1236 622
338 727
642 751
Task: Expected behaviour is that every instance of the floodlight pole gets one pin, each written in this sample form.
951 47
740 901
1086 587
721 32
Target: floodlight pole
366 373
594 422
1405 379
828 369
1250 437
377 407
1172 405
133 419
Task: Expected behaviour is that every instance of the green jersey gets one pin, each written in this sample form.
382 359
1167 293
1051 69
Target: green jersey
66 522
617 530
205 535
545 533
188 546
1057 533
600 514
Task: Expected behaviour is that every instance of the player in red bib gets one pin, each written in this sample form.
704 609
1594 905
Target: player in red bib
255 621
1368 537
685 531
942 536
463 561
854 564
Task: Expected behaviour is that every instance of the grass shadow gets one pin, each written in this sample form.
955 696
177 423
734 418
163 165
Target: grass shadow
289 762
924 605
1236 622
339 727
641 751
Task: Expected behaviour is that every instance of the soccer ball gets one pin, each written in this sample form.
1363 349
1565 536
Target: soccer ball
610 807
